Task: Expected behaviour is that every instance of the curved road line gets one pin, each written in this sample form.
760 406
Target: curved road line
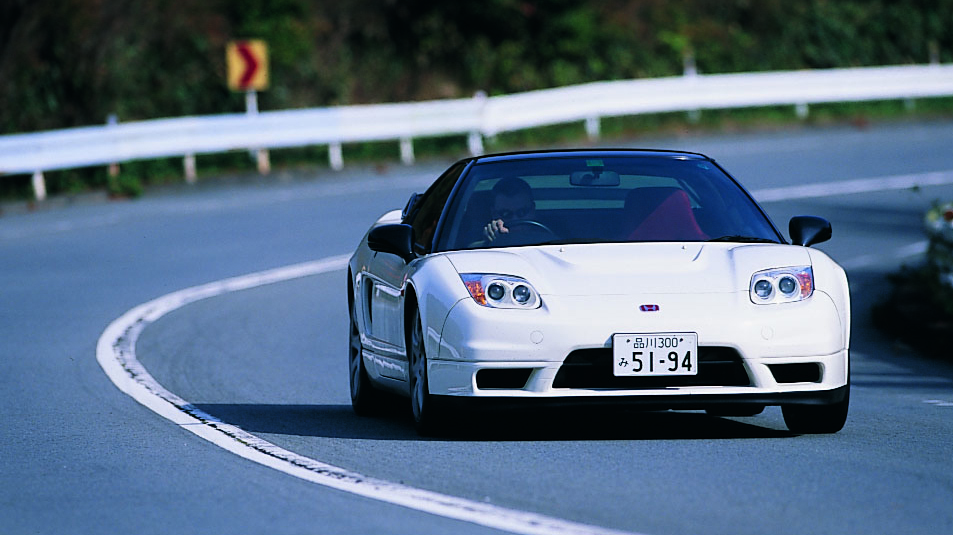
116 353
860 185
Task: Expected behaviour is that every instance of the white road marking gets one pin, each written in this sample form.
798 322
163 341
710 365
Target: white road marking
913 249
116 353
938 402
860 185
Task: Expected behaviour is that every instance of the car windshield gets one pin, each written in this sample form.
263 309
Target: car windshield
599 199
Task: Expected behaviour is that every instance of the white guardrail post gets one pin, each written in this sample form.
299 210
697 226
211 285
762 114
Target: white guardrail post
39 186
476 117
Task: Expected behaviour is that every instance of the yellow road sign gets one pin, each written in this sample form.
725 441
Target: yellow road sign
247 62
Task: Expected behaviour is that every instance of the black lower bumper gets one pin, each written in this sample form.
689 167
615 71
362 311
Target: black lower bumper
663 402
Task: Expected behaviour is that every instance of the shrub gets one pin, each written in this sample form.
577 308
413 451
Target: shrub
919 309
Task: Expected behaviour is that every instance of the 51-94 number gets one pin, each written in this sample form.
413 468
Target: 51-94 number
672 362
655 354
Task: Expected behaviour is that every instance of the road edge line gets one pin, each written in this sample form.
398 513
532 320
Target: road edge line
115 352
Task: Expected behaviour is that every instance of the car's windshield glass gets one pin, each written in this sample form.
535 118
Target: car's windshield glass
599 199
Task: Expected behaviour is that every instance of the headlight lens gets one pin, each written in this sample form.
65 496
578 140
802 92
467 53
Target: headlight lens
787 285
496 291
522 294
783 285
763 289
501 291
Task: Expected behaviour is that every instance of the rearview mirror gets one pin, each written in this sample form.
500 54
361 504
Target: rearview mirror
807 230
393 239
594 177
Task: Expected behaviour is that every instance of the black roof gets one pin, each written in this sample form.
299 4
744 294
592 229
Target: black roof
589 152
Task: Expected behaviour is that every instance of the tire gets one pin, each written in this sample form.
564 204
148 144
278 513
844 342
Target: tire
365 399
427 409
817 419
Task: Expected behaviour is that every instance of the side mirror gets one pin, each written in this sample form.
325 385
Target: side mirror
807 230
394 239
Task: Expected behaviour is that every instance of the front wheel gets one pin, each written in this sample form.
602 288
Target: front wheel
365 399
426 407
817 419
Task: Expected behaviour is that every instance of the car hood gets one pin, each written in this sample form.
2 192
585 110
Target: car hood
633 268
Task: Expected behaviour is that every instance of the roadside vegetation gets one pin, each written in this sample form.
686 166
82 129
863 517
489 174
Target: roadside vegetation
66 63
919 308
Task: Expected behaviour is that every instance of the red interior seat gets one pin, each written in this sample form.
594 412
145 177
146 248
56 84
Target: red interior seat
661 214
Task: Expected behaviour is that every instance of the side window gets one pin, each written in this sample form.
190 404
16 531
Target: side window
427 214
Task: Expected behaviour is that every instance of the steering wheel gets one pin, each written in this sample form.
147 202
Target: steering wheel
532 224
534 232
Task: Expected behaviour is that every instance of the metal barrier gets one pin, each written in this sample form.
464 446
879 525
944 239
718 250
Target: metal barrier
476 117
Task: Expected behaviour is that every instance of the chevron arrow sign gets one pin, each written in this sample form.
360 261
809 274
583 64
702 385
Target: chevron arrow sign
247 63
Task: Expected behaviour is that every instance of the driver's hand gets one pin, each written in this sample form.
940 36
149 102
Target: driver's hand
493 228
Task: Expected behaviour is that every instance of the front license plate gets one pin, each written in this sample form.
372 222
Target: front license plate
655 354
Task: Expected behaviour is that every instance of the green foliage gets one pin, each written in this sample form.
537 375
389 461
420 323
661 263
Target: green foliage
125 185
919 309
66 63
73 62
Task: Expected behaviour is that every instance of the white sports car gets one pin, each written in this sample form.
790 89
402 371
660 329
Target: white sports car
641 277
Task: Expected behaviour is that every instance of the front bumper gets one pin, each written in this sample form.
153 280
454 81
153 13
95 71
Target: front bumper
527 349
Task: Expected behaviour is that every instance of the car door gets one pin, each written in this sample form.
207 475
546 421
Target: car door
382 285
386 278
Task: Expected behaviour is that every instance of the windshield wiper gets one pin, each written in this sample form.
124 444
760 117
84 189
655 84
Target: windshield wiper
744 239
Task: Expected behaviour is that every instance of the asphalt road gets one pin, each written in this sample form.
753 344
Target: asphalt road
79 456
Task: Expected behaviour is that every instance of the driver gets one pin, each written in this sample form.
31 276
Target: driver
512 201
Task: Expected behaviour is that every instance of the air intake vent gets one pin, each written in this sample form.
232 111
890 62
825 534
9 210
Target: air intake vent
592 368
796 373
502 378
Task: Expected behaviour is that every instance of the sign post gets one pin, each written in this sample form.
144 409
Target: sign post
247 62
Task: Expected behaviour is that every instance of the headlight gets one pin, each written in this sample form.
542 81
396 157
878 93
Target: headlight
763 289
496 291
784 285
522 294
787 285
500 291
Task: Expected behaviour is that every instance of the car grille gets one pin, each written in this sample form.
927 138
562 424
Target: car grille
592 368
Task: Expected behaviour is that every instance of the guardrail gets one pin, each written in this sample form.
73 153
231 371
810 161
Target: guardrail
35 153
